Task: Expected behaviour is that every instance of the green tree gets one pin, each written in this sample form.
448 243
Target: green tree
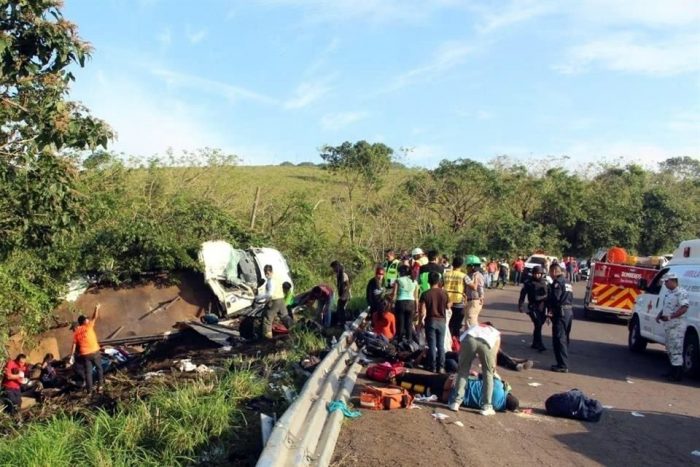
362 168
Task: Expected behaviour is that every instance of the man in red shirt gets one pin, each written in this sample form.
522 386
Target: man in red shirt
12 379
518 267
89 355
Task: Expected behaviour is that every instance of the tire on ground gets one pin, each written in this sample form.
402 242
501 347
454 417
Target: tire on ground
691 353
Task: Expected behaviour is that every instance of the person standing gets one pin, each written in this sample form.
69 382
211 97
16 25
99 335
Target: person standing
432 266
343 287
560 308
12 380
433 317
672 313
404 295
503 272
276 306
455 284
536 289
482 340
419 260
391 268
89 355
475 292
374 292
491 269
518 267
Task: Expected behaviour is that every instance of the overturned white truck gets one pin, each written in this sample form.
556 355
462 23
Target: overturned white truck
235 276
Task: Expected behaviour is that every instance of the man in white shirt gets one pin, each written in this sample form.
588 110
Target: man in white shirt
482 340
674 307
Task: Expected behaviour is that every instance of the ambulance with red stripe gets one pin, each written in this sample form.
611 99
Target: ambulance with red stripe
613 283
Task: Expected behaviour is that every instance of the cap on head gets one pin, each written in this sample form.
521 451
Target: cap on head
670 276
416 252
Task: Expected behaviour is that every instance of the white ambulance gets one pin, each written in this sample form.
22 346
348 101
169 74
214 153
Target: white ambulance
643 327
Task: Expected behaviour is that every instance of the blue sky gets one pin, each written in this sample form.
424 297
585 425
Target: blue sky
274 80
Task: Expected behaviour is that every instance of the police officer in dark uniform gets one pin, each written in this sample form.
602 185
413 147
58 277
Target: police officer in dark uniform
536 289
560 309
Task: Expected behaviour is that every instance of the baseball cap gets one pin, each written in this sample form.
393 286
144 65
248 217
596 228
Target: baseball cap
416 251
670 275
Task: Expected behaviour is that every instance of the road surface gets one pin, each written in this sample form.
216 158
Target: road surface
601 365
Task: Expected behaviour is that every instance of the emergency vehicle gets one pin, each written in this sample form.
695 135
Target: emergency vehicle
643 327
613 282
538 258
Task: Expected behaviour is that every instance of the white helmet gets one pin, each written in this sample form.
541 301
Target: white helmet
416 252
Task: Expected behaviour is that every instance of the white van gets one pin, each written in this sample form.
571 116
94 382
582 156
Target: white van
643 327
235 276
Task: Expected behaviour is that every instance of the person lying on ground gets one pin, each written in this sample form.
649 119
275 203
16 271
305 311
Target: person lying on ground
384 323
502 359
443 386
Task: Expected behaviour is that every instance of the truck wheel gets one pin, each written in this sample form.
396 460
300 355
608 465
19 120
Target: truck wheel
635 341
691 354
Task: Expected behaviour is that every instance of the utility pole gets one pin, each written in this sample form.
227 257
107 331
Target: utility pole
255 208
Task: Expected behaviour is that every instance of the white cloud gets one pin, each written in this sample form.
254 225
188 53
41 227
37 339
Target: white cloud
643 153
423 155
448 56
307 93
516 11
649 13
195 36
628 53
231 92
146 123
686 122
337 121
374 11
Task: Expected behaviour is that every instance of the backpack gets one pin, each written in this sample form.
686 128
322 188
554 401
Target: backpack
379 347
574 404
384 372
389 398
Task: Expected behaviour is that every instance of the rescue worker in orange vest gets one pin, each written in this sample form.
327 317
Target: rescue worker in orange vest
89 355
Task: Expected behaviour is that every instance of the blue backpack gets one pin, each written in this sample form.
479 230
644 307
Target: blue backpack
574 404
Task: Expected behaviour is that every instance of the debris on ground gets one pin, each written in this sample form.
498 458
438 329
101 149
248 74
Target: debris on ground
637 414
439 416
342 406
534 385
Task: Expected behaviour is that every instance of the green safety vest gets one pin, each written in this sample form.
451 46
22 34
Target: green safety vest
391 273
423 283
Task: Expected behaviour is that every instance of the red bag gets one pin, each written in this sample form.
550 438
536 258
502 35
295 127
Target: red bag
384 372
455 344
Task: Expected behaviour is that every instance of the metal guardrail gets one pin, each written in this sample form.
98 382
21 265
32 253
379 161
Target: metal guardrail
306 434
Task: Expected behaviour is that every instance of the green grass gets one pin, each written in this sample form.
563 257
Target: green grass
170 428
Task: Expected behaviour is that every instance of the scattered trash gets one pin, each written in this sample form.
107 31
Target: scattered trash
153 374
534 385
629 380
529 377
414 406
421 398
440 416
637 414
342 406
526 411
226 348
203 369
523 341
267 423
459 424
289 393
608 407
76 288
186 365
695 453
670 405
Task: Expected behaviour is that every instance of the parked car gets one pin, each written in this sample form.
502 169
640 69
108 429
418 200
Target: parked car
236 276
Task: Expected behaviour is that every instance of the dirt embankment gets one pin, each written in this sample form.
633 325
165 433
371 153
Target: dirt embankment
125 312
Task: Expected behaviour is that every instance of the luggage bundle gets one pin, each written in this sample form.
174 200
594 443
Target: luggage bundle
574 404
384 372
388 398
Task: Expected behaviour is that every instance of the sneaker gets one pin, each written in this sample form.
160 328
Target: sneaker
454 406
527 365
441 371
487 411
559 369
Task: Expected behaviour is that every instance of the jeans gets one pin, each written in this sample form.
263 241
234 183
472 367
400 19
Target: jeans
86 364
516 279
272 309
340 311
472 347
405 309
435 337
561 328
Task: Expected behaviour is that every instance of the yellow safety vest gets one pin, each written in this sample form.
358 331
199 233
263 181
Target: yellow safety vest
454 285
391 273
